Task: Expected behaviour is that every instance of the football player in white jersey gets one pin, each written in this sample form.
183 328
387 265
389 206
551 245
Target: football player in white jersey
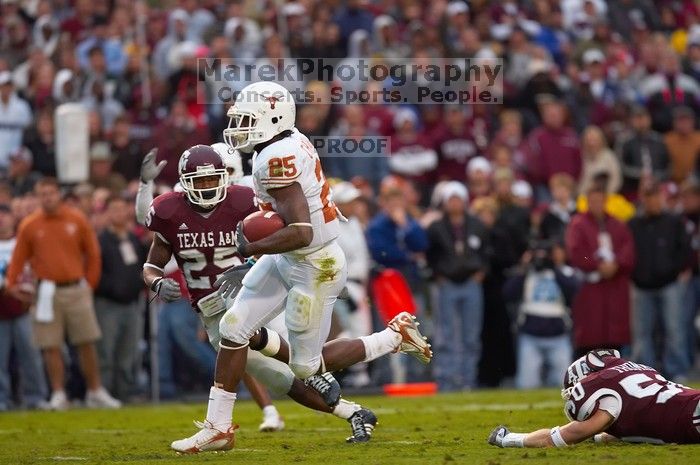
301 270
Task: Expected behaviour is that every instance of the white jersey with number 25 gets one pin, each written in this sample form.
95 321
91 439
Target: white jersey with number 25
294 159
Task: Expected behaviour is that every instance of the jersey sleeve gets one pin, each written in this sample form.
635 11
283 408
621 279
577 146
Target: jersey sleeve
159 213
611 404
279 166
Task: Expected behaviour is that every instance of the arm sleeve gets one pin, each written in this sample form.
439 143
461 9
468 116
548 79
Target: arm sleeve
144 198
20 255
93 260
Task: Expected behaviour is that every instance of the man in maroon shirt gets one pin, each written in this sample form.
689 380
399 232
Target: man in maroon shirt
553 147
608 399
455 145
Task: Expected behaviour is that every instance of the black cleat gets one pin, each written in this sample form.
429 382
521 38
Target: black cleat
327 386
362 424
496 436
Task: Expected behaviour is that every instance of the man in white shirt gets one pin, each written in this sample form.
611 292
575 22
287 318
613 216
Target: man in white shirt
15 116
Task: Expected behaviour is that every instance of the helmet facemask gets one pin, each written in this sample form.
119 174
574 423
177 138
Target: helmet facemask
205 197
242 133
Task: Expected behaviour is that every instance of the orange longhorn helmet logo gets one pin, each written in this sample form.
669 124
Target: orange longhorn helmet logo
272 99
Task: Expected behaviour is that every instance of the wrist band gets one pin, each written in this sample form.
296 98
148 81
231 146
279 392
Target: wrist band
555 434
154 284
151 265
308 225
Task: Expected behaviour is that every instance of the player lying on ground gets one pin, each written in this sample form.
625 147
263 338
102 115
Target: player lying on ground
203 248
608 399
272 421
302 268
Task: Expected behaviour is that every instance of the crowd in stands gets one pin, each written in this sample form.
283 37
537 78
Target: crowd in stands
565 218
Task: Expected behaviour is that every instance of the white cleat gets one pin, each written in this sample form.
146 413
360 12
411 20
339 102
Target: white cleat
207 439
412 341
59 401
101 399
272 423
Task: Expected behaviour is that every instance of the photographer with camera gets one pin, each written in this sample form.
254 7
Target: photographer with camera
544 288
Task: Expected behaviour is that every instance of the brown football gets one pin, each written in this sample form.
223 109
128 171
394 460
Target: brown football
261 224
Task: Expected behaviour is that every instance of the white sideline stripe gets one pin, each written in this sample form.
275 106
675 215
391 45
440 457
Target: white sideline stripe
106 431
10 431
59 458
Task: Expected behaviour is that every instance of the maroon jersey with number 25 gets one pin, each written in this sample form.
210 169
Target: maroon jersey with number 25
646 407
203 242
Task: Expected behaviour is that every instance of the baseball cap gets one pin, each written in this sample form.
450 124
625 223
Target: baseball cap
453 189
456 7
345 192
593 55
479 164
521 189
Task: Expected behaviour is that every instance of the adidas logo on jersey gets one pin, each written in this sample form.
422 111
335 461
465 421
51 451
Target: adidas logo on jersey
183 227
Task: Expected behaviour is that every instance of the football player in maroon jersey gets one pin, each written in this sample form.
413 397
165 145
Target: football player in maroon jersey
608 399
198 226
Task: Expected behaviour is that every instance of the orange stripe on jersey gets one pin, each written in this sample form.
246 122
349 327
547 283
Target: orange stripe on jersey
266 207
329 211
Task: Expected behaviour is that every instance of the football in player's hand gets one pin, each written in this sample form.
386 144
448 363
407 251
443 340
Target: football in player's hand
261 224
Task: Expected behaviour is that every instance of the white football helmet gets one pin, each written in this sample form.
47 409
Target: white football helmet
261 111
232 161
592 361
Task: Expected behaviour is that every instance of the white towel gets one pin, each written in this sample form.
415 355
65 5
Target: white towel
44 301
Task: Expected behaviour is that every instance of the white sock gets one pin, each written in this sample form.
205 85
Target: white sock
381 343
270 411
514 440
220 408
345 409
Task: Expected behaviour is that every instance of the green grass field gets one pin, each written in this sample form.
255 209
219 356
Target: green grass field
443 429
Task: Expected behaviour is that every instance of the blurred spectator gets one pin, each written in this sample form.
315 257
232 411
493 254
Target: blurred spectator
616 205
668 89
372 164
454 143
598 158
354 312
64 301
512 218
119 302
39 139
552 148
20 175
662 249
16 331
497 350
642 153
522 194
351 17
690 208
393 235
173 136
561 209
111 49
178 20
510 135
627 15
412 152
458 255
15 117
128 154
479 172
683 144
602 248
543 291
101 173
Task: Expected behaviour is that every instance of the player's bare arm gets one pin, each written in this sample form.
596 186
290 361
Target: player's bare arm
569 434
292 206
154 271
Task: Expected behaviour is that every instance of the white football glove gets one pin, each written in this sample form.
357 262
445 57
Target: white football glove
149 169
167 289
232 279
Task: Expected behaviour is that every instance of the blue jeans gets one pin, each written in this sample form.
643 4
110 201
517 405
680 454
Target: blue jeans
691 304
178 326
17 334
458 322
535 352
650 305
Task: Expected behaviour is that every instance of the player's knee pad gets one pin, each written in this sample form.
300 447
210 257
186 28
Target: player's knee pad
303 369
300 310
231 327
